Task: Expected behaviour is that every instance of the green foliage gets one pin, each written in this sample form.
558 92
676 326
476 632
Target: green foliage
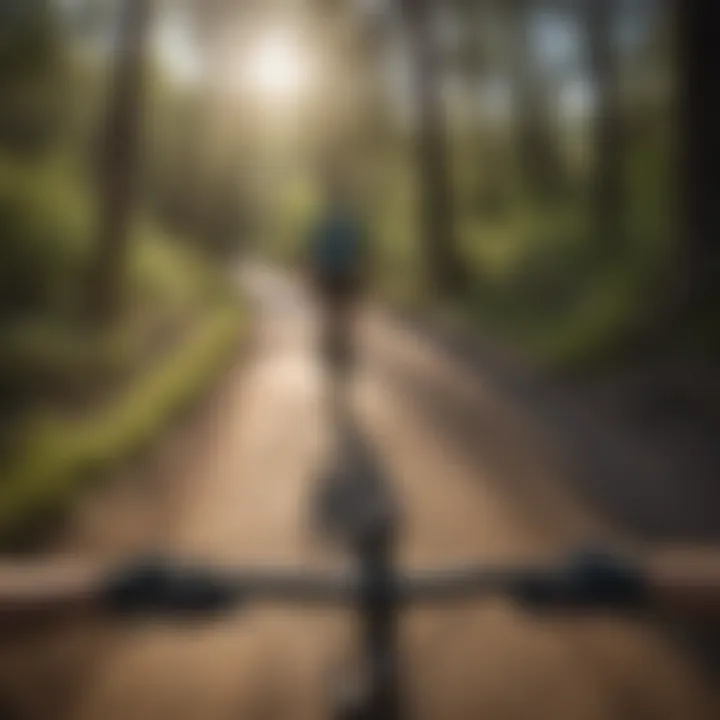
48 354
77 398
166 271
44 227
540 277
55 457
548 283
31 81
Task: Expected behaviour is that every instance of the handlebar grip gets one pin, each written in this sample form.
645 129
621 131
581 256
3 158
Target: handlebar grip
156 586
589 580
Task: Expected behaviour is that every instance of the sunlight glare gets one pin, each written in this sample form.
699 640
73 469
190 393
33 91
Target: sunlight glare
278 68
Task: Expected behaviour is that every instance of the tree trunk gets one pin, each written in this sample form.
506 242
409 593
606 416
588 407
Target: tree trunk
213 157
443 266
607 134
539 162
699 108
523 106
120 151
490 179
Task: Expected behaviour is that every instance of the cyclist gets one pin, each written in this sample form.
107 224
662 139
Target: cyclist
337 259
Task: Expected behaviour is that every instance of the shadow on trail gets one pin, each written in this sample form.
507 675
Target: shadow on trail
514 462
641 442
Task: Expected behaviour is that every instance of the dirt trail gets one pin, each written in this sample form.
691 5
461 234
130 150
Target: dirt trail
236 485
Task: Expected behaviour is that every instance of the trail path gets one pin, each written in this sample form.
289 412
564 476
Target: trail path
476 482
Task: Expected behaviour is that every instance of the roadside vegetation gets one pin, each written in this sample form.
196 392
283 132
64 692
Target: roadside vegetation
88 377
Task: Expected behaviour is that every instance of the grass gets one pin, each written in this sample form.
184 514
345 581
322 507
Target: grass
572 306
58 457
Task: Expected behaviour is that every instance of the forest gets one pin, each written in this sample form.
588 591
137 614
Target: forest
543 172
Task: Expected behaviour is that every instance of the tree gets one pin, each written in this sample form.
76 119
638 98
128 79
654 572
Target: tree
533 92
120 153
699 104
32 65
214 162
607 134
444 267
479 65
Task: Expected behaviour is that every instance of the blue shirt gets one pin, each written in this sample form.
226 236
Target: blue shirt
337 244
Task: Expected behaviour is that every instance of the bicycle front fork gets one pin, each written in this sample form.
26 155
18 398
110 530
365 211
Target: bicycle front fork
375 694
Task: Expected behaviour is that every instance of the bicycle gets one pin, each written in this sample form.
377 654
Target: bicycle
373 586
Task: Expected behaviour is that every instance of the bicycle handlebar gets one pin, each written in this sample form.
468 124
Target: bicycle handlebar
585 581
594 581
